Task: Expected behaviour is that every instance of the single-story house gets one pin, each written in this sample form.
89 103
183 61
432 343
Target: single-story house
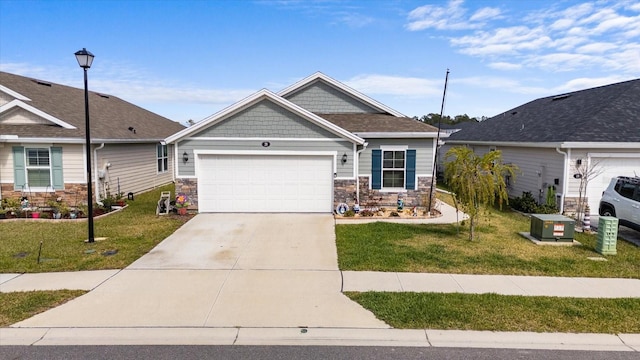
308 148
42 143
556 139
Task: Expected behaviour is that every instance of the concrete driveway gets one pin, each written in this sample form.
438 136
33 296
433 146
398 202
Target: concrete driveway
225 270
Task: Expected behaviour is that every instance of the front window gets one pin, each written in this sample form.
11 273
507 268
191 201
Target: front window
163 158
393 169
38 167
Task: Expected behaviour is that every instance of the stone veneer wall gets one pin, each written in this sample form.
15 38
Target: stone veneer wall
72 195
345 191
190 188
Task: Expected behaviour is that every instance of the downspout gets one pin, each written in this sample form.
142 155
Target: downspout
565 178
357 165
95 172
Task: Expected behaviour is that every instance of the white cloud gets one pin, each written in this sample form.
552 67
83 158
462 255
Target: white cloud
597 48
395 85
505 66
485 13
450 17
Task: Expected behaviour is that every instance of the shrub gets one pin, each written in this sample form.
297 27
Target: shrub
366 213
349 213
527 204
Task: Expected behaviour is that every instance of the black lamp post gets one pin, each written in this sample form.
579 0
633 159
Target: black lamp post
85 59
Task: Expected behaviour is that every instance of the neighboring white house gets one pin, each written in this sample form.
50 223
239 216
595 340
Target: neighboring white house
309 147
42 143
553 139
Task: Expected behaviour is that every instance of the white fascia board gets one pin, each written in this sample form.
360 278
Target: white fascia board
358 95
562 145
31 140
392 135
601 145
552 145
33 110
254 98
13 94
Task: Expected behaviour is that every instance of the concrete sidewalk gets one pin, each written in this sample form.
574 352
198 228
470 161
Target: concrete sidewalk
578 287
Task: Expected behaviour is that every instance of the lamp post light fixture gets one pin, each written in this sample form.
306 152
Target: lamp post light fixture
85 59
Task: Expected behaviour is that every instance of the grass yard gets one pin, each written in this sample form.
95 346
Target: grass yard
499 250
131 232
502 313
18 306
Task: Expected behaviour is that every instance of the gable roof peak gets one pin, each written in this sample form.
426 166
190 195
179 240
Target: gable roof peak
317 76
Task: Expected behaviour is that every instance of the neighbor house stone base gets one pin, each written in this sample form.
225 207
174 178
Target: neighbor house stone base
72 195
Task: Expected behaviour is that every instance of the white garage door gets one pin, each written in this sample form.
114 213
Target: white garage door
611 167
265 183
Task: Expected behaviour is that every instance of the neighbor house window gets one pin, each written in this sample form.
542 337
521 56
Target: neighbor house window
38 167
163 158
393 169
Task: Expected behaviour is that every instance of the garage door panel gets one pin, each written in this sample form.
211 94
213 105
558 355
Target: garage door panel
265 183
609 168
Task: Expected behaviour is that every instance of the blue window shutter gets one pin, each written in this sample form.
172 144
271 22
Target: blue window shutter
376 169
410 179
56 168
19 174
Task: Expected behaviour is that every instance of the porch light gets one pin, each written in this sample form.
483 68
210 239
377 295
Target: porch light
185 157
85 58
344 158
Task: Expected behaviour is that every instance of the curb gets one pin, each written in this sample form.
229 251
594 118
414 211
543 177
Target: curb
318 337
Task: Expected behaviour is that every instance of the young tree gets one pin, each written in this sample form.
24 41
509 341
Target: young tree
477 181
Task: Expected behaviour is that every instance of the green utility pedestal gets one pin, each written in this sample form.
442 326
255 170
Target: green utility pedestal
607 235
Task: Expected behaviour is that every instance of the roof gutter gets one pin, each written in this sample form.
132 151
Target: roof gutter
17 139
391 135
552 145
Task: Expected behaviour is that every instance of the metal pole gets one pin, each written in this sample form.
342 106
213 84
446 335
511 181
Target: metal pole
88 154
435 155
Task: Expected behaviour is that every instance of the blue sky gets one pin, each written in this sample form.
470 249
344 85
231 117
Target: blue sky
188 59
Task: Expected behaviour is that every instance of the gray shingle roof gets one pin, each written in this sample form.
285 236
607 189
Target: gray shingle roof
361 123
608 113
110 116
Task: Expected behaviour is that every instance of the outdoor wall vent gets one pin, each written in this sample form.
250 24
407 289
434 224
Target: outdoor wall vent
40 82
560 97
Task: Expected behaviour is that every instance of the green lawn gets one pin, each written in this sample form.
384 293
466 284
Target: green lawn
502 313
499 250
131 232
17 306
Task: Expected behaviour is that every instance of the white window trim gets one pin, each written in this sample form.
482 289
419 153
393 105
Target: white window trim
28 187
404 169
162 157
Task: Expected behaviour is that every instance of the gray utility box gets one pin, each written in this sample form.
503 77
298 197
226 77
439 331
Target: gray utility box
557 228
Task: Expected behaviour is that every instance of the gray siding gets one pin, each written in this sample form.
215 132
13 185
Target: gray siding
341 147
537 169
423 147
134 166
320 97
266 119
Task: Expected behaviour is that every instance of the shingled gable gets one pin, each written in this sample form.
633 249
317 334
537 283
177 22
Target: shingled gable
60 110
605 114
255 98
